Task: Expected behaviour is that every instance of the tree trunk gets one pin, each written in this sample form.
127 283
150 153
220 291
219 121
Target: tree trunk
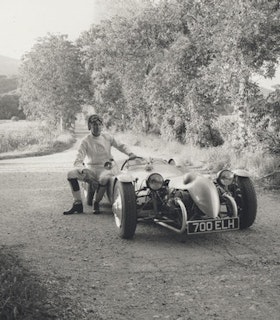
145 121
61 124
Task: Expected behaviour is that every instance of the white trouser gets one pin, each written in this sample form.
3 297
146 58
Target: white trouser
98 176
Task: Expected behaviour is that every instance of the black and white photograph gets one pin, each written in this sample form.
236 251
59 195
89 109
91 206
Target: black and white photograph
139 159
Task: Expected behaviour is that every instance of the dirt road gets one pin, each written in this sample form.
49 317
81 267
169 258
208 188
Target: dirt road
92 274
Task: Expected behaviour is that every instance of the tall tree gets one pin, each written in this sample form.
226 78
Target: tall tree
180 60
52 80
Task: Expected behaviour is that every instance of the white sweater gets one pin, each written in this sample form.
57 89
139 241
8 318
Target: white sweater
97 150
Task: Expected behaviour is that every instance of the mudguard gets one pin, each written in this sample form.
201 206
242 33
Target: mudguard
124 177
241 173
204 193
177 183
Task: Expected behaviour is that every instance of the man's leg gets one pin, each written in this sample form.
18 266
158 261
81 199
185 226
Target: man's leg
98 197
73 176
103 182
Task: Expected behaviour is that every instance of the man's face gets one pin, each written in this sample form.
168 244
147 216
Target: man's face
95 128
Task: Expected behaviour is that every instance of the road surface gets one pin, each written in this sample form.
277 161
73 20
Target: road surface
91 273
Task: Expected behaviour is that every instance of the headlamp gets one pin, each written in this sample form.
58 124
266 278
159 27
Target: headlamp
155 181
225 177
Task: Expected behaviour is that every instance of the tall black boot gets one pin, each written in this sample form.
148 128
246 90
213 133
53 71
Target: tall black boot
96 209
76 208
97 198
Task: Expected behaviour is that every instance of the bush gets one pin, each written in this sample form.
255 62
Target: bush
63 141
255 160
268 135
23 137
9 107
203 134
173 127
209 137
226 125
265 121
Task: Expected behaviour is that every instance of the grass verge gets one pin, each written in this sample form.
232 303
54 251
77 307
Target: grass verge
261 165
27 138
22 296
25 296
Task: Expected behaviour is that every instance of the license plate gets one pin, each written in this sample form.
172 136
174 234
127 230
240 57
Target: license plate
215 225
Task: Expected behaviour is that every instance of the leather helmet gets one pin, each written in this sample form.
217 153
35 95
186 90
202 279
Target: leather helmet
94 118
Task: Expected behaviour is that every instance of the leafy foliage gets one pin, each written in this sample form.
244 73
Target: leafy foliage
266 120
170 67
52 80
177 65
19 139
9 107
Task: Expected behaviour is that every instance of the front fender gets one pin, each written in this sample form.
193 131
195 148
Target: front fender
204 193
124 177
241 173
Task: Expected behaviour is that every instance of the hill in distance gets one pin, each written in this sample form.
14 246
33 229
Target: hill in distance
9 66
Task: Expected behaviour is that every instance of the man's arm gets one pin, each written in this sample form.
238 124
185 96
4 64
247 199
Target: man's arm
122 147
81 154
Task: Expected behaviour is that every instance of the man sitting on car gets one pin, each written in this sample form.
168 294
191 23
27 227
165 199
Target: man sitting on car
96 148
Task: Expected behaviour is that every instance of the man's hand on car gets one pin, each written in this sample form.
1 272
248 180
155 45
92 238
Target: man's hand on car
132 156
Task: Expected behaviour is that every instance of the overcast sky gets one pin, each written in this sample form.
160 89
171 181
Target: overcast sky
24 21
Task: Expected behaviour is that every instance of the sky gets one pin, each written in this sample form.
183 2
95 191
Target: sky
269 83
22 22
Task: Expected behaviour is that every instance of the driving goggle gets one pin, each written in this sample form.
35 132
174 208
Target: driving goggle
96 123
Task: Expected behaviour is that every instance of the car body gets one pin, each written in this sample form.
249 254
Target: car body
157 191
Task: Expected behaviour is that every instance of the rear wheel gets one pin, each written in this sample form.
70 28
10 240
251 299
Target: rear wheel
246 199
124 209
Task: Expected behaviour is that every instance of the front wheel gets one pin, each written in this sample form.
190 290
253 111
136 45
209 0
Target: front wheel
124 209
246 199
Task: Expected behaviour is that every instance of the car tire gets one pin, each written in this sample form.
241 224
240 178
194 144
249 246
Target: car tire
124 209
246 200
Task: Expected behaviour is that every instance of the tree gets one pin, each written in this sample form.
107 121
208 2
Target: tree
52 81
176 64
123 8
237 39
9 107
266 121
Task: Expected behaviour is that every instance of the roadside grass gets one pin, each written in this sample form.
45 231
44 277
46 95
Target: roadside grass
256 161
22 294
25 138
31 138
